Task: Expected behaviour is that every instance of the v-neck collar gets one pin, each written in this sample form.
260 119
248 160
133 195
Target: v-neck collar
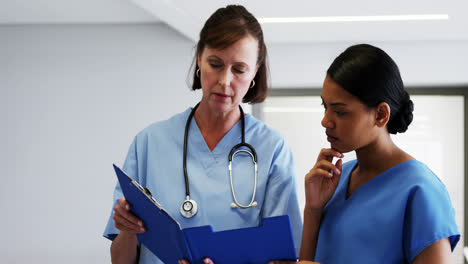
368 183
232 138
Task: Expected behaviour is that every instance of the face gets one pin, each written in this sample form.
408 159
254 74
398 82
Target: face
350 125
226 75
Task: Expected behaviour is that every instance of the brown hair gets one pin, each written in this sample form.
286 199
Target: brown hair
225 27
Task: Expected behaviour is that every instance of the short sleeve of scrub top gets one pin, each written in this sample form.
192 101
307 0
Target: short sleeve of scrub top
430 216
389 219
130 167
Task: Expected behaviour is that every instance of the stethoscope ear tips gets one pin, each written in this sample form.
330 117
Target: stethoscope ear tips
233 205
254 204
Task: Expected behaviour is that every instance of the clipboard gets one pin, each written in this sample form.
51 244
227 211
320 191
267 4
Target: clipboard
272 240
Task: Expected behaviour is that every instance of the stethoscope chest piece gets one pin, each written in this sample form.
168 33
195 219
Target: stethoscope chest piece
188 208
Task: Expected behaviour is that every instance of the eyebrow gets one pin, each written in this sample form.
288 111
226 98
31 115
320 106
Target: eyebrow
213 57
210 57
338 104
334 104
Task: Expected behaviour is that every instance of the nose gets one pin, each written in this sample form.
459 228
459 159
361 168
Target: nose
326 121
225 77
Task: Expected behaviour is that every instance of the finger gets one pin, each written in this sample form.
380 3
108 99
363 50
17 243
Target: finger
337 177
342 156
184 261
318 172
208 261
123 223
328 166
339 164
328 154
129 216
123 203
331 152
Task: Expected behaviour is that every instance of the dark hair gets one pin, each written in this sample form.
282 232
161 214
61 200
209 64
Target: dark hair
369 73
225 27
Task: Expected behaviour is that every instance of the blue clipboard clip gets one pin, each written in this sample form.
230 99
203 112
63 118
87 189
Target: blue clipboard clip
272 240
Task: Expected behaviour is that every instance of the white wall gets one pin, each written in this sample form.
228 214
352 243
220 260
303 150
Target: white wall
73 96
421 63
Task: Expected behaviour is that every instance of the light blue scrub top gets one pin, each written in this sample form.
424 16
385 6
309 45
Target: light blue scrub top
155 160
389 219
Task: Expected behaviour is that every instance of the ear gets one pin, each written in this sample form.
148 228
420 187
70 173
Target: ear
382 114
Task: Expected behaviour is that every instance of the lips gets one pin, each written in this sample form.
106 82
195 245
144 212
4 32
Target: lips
331 138
221 96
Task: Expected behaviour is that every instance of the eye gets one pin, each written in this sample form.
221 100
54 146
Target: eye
215 65
340 113
238 70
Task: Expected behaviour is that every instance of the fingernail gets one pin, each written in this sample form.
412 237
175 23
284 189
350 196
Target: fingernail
127 207
338 171
142 229
206 261
140 223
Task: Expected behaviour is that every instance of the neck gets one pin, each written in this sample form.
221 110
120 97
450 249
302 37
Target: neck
215 125
374 159
379 156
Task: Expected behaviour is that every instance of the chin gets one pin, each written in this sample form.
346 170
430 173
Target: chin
219 107
341 149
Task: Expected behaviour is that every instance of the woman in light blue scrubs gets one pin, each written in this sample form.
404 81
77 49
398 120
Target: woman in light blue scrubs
384 207
230 68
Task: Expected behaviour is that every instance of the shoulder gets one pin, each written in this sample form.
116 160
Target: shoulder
256 127
417 174
426 194
271 147
267 140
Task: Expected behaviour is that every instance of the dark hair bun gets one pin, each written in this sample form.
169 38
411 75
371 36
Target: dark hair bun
402 119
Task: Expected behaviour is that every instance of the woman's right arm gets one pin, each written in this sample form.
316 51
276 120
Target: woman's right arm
320 185
124 246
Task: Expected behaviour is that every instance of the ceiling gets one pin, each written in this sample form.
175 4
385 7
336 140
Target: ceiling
188 16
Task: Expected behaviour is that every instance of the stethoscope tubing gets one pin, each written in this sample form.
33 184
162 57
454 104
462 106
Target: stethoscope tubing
232 153
187 126
252 202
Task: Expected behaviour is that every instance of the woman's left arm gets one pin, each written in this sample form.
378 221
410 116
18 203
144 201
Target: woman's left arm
437 253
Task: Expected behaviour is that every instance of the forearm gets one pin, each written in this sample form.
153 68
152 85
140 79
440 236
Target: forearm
124 248
310 232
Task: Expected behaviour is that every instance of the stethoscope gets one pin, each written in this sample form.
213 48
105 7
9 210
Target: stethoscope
189 207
